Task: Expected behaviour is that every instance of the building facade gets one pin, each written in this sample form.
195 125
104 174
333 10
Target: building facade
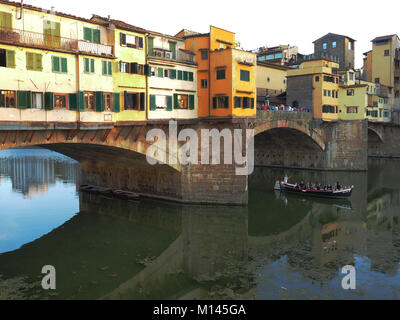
282 55
271 82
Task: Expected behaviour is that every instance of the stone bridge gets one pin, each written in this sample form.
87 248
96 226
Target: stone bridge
114 154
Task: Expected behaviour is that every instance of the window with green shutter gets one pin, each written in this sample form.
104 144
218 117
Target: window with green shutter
117 102
185 75
104 69
180 75
88 65
191 102
92 65
169 103
172 48
91 35
56 64
10 59
73 101
244 75
150 46
176 102
191 77
238 102
34 61
160 72
6 21
52 34
153 106
252 103
23 99
49 101
215 103
64 65
99 101
109 68
81 101
172 74
29 61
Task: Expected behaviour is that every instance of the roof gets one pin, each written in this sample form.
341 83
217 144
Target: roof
118 23
336 35
60 14
382 38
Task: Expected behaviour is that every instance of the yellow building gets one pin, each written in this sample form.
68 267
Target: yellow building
353 101
315 86
271 82
52 66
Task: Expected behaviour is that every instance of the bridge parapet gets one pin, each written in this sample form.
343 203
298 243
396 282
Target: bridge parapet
283 115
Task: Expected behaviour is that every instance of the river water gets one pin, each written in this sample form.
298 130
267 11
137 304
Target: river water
279 247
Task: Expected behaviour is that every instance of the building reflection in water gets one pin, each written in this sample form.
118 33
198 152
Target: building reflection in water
278 247
32 175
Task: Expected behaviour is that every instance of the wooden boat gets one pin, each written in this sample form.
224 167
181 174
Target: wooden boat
125 195
329 194
96 190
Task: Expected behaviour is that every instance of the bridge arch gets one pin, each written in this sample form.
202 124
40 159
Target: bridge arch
374 135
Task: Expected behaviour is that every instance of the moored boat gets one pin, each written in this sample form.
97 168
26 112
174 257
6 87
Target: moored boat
330 194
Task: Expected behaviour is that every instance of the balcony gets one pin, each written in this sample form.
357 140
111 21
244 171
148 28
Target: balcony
182 55
43 41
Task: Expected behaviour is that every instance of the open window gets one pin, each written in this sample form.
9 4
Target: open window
7 99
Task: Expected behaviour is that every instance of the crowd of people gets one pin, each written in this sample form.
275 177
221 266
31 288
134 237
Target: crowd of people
317 187
284 108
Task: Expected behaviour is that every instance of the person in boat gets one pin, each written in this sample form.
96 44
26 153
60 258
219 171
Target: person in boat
338 186
302 185
329 187
319 187
286 179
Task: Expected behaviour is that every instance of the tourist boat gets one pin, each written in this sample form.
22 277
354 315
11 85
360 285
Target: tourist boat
330 194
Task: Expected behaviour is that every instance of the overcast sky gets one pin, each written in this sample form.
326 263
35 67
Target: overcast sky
256 23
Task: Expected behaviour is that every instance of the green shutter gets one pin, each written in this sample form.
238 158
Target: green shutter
185 75
176 103
5 20
87 64
191 102
81 101
10 59
160 72
99 101
226 103
180 75
92 65
169 103
172 74
23 99
73 101
172 48
104 69
87 34
252 103
142 102
56 64
117 102
191 76
215 103
38 65
150 45
64 65
96 36
29 61
109 68
49 101
153 106
149 70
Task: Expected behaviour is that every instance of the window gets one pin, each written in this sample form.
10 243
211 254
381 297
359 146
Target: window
268 79
270 57
221 102
34 61
134 101
59 64
329 93
166 73
6 20
382 42
131 41
91 35
244 75
106 68
351 46
88 65
261 58
334 44
351 76
238 102
7 58
60 101
204 83
325 93
278 56
317 79
185 75
180 75
7 99
387 53
183 101
377 80
52 33
350 92
329 109
37 100
221 74
324 46
108 101
329 79
352 109
245 104
89 101
204 55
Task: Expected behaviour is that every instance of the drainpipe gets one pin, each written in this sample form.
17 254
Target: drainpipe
209 75
78 85
147 77
21 13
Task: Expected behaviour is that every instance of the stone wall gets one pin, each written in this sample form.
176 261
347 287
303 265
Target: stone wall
383 141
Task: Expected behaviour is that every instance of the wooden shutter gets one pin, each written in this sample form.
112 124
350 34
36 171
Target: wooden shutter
92 65
185 75
142 102
87 64
160 72
252 103
140 42
104 68
49 101
96 36
109 68
56 64
150 45
99 101
123 39
169 103
226 102
238 101
29 61
153 106
215 103
125 99
10 59
191 102
23 99
64 65
81 101
117 102
87 34
6 20
172 48
176 102
38 65
191 76
73 101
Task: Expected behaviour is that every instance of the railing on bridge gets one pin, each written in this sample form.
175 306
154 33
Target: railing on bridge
283 115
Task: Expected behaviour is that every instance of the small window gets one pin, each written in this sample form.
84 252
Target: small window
89 101
268 79
183 101
334 44
387 53
244 75
7 99
106 68
91 35
317 79
324 46
221 74
34 61
59 65
7 58
108 101
166 73
37 100
60 101
89 65
204 55
204 83
350 92
351 76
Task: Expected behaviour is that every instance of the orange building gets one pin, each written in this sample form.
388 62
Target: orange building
226 75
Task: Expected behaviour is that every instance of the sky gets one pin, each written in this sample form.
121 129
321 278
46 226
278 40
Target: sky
256 23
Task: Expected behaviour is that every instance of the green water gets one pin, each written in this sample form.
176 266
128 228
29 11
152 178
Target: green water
279 247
